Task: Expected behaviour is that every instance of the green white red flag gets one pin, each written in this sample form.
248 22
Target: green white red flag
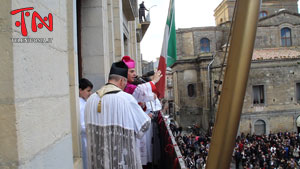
168 52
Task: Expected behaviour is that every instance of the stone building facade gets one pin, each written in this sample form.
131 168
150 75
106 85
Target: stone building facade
169 93
271 102
147 66
39 97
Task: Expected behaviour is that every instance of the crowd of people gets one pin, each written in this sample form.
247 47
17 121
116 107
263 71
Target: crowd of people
273 151
193 146
194 149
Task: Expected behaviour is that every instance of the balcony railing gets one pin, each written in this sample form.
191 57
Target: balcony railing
170 153
142 29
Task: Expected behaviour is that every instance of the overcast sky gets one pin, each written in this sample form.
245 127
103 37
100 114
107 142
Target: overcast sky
188 13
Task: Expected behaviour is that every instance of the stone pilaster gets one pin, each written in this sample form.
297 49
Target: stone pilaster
35 100
95 42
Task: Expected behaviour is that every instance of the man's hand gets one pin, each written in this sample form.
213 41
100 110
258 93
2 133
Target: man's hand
150 115
157 75
155 96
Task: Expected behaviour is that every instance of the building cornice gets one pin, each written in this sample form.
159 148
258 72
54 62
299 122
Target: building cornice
193 60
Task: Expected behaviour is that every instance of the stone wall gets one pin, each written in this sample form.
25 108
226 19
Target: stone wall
192 109
269 30
272 7
267 37
188 41
279 79
36 115
189 106
8 134
185 45
210 33
281 18
224 11
275 121
281 108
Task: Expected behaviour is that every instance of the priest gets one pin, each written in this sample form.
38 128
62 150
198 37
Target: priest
145 95
143 92
114 122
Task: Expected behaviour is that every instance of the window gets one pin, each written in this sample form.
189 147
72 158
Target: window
262 14
286 38
204 45
298 92
191 90
258 95
260 127
126 45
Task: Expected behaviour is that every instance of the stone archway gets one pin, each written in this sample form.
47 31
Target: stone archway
260 127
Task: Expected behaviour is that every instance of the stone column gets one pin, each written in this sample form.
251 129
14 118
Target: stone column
8 134
203 76
134 47
34 90
139 56
95 42
118 29
73 83
111 35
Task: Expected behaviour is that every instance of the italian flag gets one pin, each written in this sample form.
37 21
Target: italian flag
168 51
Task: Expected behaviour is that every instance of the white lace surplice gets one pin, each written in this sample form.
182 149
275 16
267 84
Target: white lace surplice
112 134
146 144
143 93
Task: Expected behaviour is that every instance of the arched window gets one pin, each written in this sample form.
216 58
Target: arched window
191 90
260 127
263 14
204 45
286 37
